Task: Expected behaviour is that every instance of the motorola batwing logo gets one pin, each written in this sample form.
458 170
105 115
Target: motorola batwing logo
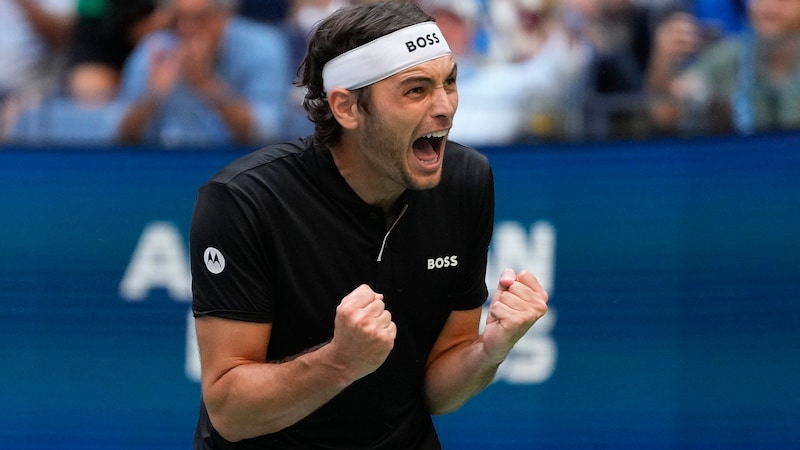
215 262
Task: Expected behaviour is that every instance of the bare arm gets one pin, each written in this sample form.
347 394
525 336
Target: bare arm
234 110
248 397
197 56
457 369
54 28
462 363
163 72
676 39
244 395
191 61
137 117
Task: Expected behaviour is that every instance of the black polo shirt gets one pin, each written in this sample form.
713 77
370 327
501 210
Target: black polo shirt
279 236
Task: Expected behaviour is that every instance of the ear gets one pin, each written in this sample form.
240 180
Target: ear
344 108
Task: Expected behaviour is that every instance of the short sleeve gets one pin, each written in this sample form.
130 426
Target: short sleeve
480 188
230 267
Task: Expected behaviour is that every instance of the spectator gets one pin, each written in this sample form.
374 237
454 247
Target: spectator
32 32
746 83
460 21
103 37
85 110
304 14
523 88
213 79
271 11
301 18
620 33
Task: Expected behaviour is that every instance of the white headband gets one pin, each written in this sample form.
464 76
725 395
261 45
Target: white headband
385 56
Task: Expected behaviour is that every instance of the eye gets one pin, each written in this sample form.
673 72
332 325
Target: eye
449 84
415 90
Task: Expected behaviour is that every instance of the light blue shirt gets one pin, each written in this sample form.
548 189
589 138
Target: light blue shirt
253 60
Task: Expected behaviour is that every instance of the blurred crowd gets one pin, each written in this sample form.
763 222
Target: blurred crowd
210 73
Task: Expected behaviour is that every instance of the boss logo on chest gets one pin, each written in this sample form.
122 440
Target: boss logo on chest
443 262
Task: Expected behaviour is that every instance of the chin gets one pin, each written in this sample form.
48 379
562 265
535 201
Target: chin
425 183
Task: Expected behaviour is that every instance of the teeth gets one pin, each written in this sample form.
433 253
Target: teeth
436 134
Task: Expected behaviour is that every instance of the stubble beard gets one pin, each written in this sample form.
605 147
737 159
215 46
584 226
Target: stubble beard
386 152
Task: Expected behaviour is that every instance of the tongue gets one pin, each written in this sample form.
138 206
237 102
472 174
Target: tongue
423 150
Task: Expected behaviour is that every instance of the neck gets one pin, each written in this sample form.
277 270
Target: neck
365 180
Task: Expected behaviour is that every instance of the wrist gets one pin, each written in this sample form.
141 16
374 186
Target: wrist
215 92
153 97
490 356
339 372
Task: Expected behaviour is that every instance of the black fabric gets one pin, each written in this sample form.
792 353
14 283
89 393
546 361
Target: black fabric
296 239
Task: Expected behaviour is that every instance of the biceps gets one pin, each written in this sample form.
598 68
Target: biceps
225 344
460 329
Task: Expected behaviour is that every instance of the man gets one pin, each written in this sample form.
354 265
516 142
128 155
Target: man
744 83
33 35
214 79
102 39
338 281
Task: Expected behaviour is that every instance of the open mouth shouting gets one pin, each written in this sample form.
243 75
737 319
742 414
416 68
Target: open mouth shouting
429 148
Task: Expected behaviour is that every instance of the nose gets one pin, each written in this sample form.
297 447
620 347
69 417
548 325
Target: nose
445 102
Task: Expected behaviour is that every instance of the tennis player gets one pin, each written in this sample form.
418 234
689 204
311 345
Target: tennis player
339 279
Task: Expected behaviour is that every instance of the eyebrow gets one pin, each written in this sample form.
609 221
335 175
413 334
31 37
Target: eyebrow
427 79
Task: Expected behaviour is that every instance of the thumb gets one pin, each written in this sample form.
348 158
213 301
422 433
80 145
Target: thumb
507 278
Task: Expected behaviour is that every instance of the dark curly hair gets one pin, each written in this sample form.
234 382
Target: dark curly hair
344 30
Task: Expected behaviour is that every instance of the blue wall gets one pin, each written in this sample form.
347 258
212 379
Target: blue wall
674 268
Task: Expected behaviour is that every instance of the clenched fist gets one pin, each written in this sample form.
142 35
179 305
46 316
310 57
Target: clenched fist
363 332
516 305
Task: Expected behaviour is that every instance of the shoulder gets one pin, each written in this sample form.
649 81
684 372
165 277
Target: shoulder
241 29
730 48
466 174
161 40
463 161
264 43
723 54
264 165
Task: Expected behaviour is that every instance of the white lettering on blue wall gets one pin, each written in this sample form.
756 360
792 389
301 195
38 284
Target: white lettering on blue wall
533 358
160 261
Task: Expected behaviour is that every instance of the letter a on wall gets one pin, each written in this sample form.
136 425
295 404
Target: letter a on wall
158 262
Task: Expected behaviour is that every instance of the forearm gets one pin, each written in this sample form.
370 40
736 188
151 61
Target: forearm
661 73
54 28
457 376
254 399
248 397
233 109
662 107
137 118
676 39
